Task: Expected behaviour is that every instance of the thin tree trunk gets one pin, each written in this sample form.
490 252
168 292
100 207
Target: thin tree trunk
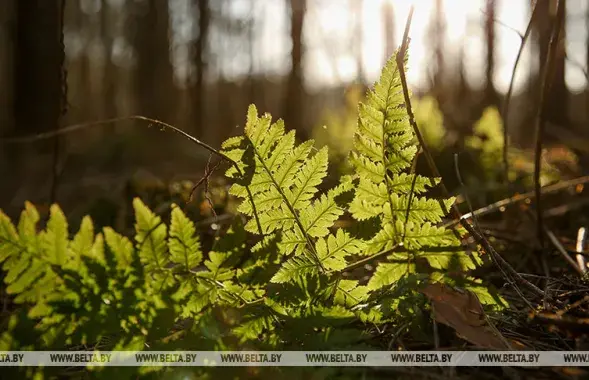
559 95
154 81
357 9
491 97
293 106
439 31
389 29
198 92
109 71
38 58
556 110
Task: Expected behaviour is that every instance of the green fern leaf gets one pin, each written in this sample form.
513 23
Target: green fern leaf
150 237
54 240
387 274
183 243
10 244
81 245
295 268
349 294
121 247
333 250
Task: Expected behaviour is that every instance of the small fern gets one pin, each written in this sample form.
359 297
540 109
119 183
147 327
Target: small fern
387 190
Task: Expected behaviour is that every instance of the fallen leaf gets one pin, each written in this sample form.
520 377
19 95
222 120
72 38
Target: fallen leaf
462 311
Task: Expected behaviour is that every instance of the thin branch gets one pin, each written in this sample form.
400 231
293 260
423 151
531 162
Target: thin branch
77 127
519 198
431 163
424 149
495 257
507 100
559 247
500 262
546 79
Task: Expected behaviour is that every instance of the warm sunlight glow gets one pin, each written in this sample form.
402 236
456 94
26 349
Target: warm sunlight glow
464 34
336 47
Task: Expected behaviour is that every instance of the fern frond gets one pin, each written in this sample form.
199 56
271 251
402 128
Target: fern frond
150 237
82 242
54 240
183 243
295 268
121 247
387 274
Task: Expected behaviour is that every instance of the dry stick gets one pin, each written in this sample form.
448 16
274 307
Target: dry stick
424 149
476 223
76 127
411 191
484 242
547 75
506 103
562 250
519 198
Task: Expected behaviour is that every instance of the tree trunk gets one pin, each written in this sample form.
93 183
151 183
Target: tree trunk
357 10
437 37
389 29
154 81
38 59
293 106
556 105
109 71
491 97
200 63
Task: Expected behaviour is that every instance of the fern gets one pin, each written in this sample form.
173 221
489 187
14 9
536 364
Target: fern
284 184
281 270
388 191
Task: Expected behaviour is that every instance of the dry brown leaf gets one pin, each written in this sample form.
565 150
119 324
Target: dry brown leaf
461 310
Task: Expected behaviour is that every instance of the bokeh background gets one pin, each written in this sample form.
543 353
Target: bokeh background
198 64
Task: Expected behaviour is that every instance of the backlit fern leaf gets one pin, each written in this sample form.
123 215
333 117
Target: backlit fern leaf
183 243
284 184
384 152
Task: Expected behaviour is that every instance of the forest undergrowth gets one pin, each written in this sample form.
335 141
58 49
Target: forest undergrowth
394 242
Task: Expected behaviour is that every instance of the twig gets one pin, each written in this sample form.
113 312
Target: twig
495 257
507 101
546 79
581 235
401 55
562 250
484 242
559 247
411 192
519 198
205 179
500 261
77 127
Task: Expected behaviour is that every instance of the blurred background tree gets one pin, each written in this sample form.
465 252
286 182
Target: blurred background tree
198 63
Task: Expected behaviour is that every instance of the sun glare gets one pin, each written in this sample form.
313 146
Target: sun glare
464 34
